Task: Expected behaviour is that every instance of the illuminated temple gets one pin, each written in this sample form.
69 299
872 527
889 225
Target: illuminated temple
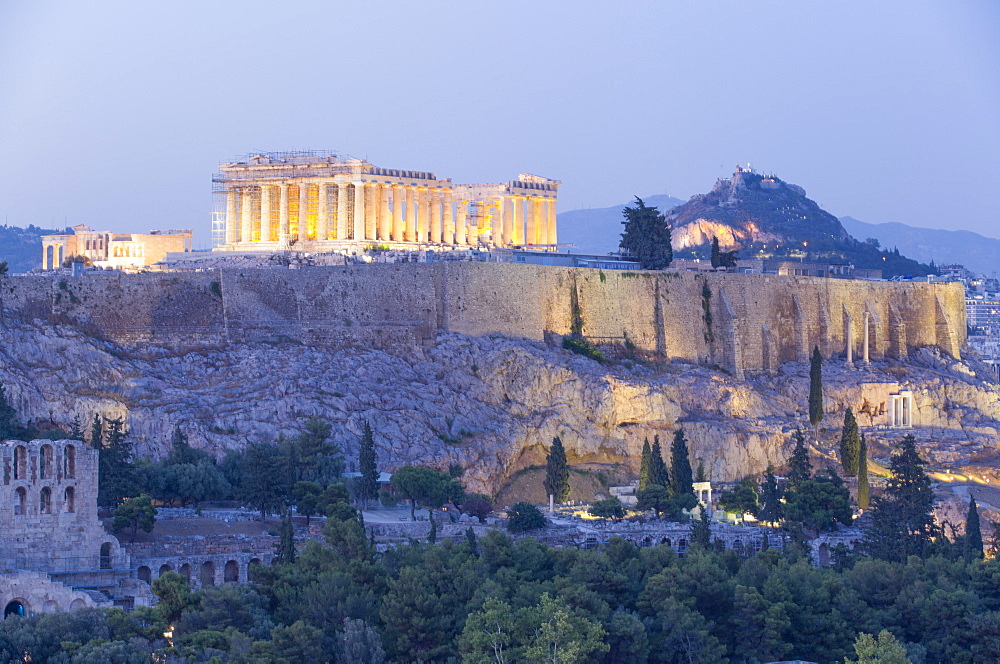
319 202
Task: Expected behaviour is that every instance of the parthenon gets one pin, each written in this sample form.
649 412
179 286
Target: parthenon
319 201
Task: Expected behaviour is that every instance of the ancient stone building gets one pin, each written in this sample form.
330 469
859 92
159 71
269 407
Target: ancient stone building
314 201
55 554
114 250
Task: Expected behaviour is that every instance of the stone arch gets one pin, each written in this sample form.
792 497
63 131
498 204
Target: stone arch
647 541
145 574
252 567
20 462
105 559
46 467
69 499
50 606
69 462
738 546
823 555
17 607
207 575
231 572
682 545
21 502
77 604
665 540
45 500
164 569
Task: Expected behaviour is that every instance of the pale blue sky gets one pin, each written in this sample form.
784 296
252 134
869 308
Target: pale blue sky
116 114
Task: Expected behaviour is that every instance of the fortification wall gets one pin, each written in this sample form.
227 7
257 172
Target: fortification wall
741 322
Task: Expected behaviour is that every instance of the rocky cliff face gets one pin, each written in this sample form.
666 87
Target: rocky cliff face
490 404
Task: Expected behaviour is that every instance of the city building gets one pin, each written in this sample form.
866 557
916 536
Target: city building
322 202
108 249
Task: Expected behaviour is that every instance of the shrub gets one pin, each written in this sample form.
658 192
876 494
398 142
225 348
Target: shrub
581 346
524 516
611 508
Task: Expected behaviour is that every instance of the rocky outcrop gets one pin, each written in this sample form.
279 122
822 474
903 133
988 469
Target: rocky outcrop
492 404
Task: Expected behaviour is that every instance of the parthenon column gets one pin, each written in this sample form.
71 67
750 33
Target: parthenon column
371 209
448 222
359 210
541 220
413 200
303 211
384 214
515 233
322 213
461 231
424 215
342 212
397 212
435 203
866 324
283 221
232 224
265 213
246 205
551 222
532 218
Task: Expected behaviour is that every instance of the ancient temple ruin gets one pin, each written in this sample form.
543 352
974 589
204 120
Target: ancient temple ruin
319 201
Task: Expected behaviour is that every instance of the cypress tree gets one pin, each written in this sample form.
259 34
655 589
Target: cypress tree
800 469
716 262
680 465
97 433
850 444
8 415
75 430
286 539
368 482
902 522
557 472
644 465
647 236
816 388
701 475
973 534
658 474
770 498
864 491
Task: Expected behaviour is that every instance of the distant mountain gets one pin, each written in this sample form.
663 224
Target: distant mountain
976 252
22 247
599 230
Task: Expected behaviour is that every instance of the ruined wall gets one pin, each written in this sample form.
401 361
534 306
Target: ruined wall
736 321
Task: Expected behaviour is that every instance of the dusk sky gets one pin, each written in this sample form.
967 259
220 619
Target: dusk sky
116 114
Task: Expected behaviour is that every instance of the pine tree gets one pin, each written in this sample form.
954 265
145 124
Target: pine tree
973 533
647 236
557 472
368 482
770 498
680 465
902 522
644 465
850 444
658 474
800 469
816 388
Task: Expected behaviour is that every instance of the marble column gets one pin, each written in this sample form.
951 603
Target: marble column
435 203
246 206
850 341
551 222
265 213
284 223
45 256
323 213
232 223
397 212
448 220
461 230
359 211
542 220
532 219
371 209
343 213
413 200
515 234
866 323
303 212
424 215
384 213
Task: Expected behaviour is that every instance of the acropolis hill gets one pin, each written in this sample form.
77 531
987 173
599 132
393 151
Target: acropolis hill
459 362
